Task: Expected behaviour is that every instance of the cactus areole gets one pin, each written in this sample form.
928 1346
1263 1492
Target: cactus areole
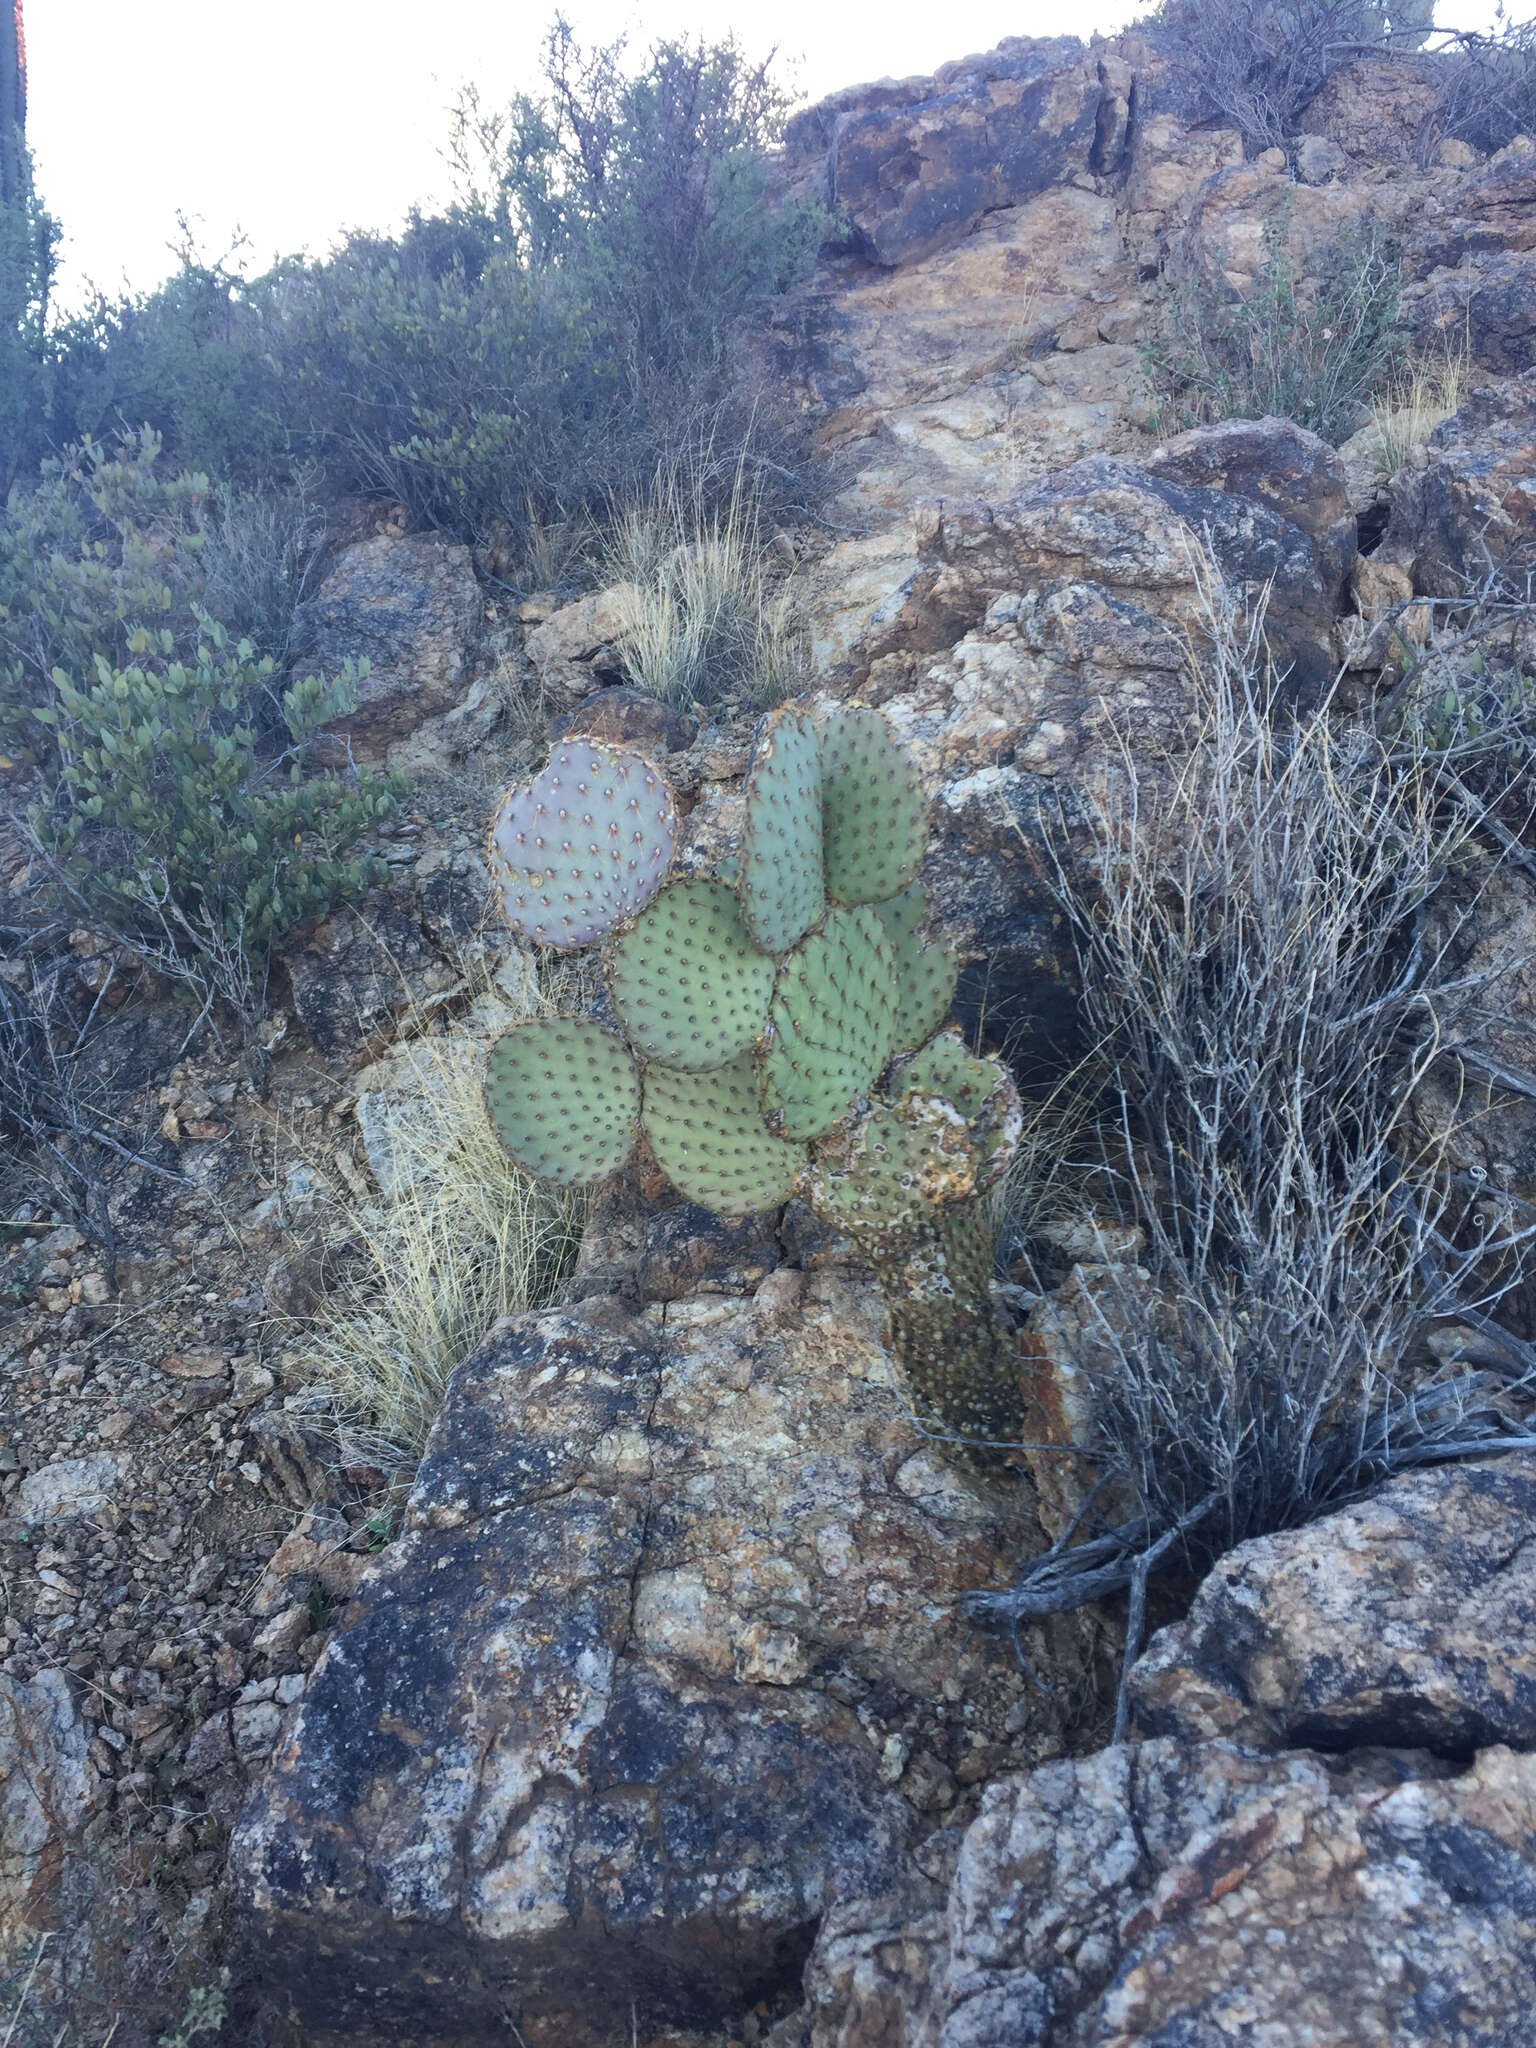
781 1030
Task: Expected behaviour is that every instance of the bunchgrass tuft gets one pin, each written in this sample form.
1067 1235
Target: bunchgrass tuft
709 626
1425 389
457 1238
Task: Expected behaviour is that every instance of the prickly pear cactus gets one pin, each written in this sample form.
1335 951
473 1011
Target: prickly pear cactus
782 1027
584 845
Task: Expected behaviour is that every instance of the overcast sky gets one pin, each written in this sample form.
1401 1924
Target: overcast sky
294 120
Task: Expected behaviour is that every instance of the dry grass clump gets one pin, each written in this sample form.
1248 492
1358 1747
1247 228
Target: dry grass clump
709 625
457 1238
1425 389
1254 938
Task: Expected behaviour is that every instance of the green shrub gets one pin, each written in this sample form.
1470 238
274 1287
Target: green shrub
171 831
111 542
28 244
194 360
262 557
106 543
570 325
1312 350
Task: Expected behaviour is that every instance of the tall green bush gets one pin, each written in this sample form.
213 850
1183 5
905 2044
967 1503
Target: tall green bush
107 541
569 325
29 239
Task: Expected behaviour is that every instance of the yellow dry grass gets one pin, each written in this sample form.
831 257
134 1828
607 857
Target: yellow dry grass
457 1237
709 624
1427 389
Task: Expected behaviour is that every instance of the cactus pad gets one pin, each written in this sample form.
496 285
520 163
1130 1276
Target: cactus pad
564 1097
944 1067
584 846
781 843
833 1017
710 1141
869 1181
691 987
873 815
925 973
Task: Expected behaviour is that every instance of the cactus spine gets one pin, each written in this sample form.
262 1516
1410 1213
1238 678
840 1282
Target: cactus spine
782 1026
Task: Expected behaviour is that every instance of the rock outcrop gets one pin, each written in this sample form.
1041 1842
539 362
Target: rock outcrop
912 177
1408 1621
1263 500
46 1793
669 1657
1156 1893
1468 517
1213 1882
409 605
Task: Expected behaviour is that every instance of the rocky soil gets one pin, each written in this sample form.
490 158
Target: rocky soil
660 1719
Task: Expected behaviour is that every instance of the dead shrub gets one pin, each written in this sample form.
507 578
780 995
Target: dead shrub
1259 971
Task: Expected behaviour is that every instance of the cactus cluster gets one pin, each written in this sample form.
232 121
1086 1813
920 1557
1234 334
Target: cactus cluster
781 1025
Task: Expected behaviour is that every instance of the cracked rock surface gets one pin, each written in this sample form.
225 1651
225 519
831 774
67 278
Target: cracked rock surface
667 1659
1159 1895
1409 1619
1372 1885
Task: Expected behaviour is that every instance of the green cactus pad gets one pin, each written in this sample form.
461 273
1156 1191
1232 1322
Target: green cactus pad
925 973
869 1180
944 1067
780 881
709 1139
832 1019
564 1097
873 815
691 987
584 846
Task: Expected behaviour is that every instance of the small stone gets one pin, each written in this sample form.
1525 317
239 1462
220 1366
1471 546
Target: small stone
194 1365
114 1427
252 1383
770 1656
1319 158
256 1728
211 1746
284 1632
894 1752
